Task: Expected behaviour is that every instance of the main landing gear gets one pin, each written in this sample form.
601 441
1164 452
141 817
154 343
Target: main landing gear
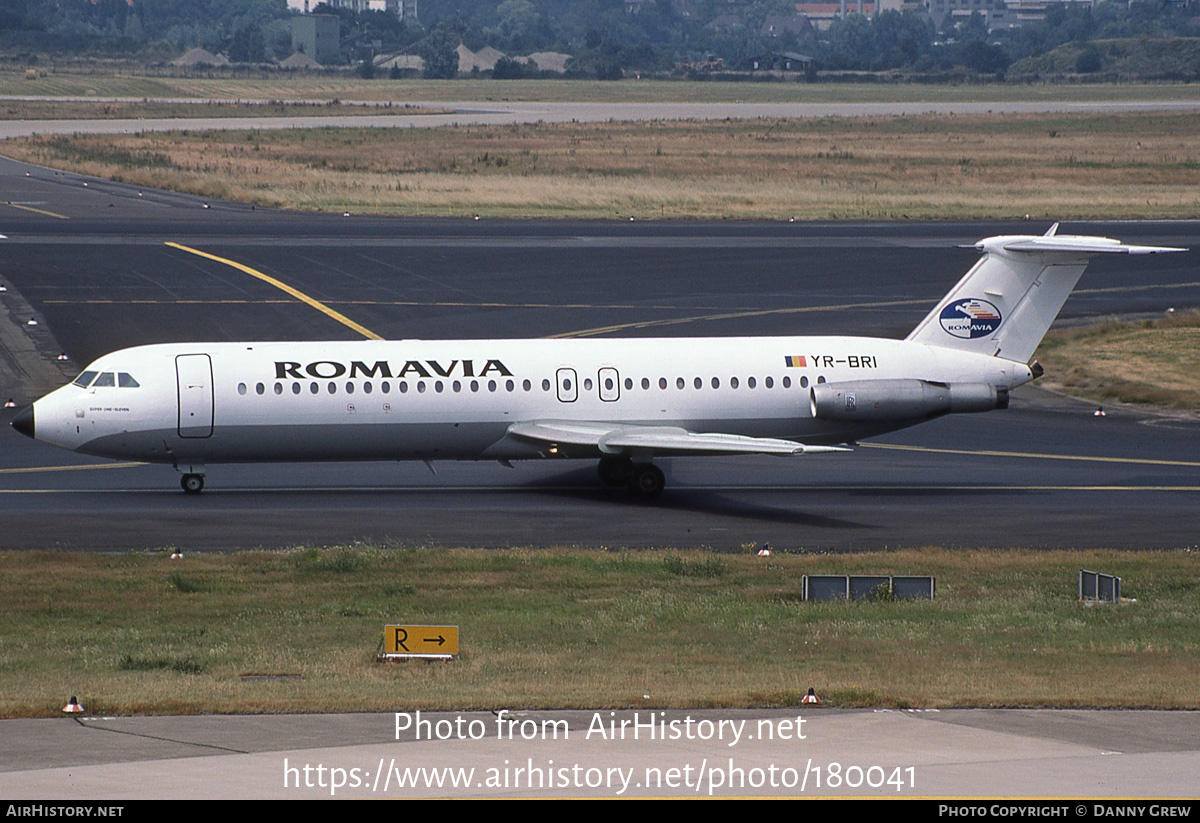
644 480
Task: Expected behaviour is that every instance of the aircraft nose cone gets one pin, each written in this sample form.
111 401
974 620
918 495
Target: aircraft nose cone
23 422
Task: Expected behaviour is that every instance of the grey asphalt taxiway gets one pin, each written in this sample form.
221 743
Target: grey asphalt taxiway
88 260
799 753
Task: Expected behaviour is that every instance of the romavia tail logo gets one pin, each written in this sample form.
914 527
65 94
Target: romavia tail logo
969 319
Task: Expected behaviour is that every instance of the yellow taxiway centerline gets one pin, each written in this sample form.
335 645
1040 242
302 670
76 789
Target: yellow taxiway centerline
1034 455
279 284
71 468
39 211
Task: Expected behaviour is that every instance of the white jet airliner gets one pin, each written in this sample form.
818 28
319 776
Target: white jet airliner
624 402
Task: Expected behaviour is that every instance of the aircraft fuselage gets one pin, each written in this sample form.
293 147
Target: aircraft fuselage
411 399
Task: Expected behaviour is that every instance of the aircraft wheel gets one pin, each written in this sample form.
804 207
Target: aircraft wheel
647 481
192 483
615 471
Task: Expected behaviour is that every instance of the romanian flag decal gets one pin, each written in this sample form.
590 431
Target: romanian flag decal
795 361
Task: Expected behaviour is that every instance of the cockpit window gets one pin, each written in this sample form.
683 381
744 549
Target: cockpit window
105 379
126 381
84 380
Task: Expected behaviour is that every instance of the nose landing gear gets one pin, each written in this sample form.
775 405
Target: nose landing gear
192 481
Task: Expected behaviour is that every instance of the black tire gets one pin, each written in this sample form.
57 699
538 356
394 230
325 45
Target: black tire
615 471
647 481
192 483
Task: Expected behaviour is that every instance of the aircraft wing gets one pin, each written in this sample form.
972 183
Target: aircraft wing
615 438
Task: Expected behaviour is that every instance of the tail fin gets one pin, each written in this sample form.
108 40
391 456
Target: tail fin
1007 301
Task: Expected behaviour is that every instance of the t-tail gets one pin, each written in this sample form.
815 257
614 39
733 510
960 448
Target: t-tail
1005 304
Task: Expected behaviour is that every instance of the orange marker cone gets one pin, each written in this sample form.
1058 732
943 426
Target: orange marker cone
811 697
73 706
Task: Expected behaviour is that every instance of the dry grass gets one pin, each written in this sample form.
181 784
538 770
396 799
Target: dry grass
1150 362
555 629
988 166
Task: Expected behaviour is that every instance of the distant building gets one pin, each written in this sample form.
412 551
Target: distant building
404 9
317 35
788 61
725 22
1025 11
822 15
998 14
402 62
777 25
356 6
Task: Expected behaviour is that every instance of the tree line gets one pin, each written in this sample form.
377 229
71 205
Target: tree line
606 38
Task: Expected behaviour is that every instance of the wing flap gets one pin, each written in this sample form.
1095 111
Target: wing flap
611 438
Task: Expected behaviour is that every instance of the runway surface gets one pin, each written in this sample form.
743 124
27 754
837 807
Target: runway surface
493 113
91 265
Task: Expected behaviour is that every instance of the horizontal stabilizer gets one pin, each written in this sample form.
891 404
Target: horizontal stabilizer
610 438
1004 305
1079 245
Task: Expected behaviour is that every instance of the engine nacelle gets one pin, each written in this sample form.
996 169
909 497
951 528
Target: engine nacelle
894 400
